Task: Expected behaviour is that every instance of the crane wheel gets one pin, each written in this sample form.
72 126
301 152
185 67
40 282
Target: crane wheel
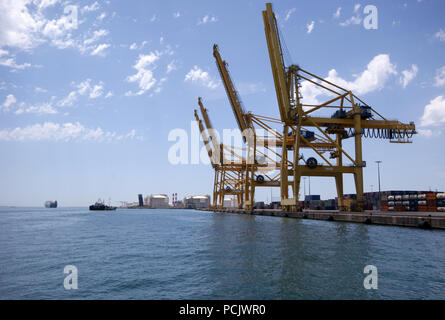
260 179
312 163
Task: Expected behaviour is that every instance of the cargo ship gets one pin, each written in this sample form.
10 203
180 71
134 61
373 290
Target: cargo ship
51 204
101 206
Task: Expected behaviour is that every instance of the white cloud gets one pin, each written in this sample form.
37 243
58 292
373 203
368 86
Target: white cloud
97 34
176 14
336 14
19 26
92 7
58 28
197 75
102 16
289 13
154 18
310 26
96 91
207 19
434 113
377 73
144 75
99 51
352 20
440 35
109 95
9 61
47 3
440 77
408 75
84 88
44 108
171 67
50 131
10 100
69 100
134 45
356 19
23 25
40 90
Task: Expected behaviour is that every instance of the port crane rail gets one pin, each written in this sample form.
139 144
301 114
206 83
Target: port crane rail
352 118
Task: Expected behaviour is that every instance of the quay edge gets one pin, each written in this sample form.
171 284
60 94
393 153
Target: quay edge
418 220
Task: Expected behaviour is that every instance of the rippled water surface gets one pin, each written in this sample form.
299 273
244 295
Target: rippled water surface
186 254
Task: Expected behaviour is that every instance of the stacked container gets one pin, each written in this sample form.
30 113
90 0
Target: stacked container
440 202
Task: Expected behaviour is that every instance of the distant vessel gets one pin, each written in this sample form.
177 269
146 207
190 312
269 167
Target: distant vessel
51 204
101 206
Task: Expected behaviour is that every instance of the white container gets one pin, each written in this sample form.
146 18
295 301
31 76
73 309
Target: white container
440 196
413 196
398 197
405 197
398 203
440 208
390 203
390 198
421 203
421 196
391 208
405 203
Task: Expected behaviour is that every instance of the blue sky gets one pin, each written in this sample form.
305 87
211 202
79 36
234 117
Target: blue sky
86 107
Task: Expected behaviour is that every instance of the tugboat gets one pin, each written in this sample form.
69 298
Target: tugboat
51 204
101 206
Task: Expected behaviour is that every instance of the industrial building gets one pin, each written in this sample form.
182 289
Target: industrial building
231 202
197 202
157 201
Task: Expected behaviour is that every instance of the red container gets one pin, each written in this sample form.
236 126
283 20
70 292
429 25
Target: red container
431 203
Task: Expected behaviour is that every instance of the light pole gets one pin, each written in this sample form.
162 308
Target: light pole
309 186
304 186
380 195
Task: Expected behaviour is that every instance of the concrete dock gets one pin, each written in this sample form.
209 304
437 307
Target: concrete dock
425 220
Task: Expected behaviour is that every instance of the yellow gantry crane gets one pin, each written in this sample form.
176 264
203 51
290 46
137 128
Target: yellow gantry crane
254 175
249 122
229 176
351 118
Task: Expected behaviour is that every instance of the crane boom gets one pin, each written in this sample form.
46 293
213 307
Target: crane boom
205 139
277 62
232 94
209 126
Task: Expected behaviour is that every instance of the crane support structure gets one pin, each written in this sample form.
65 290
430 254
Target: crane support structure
229 176
352 118
251 123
